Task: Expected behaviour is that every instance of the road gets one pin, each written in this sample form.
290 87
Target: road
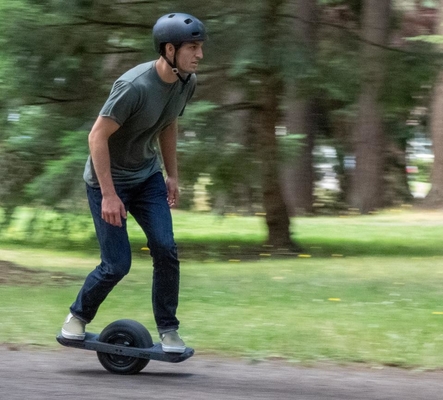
76 374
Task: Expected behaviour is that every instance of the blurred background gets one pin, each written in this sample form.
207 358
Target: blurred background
302 107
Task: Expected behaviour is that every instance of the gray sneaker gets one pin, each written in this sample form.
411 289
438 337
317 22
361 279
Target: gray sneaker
73 328
172 343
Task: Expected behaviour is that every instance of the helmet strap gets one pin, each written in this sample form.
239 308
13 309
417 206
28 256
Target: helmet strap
173 65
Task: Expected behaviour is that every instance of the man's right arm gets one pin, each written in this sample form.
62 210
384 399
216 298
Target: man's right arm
113 209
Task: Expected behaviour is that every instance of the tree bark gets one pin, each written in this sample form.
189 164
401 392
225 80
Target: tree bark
435 195
277 218
368 137
298 176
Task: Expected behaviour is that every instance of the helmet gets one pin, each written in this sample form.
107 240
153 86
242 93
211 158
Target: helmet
177 28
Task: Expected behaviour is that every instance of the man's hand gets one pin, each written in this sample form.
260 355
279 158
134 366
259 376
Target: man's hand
113 210
173 192
168 148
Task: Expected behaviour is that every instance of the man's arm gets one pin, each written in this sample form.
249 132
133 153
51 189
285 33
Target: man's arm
168 147
112 207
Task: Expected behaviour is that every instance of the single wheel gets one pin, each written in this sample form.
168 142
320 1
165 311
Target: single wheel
124 332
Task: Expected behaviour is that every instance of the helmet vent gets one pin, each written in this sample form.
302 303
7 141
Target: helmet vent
188 21
171 15
195 33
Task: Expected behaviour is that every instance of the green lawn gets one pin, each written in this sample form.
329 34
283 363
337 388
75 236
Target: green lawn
366 289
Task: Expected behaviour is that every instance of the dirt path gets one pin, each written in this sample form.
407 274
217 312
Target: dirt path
76 374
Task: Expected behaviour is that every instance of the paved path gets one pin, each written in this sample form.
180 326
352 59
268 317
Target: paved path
75 374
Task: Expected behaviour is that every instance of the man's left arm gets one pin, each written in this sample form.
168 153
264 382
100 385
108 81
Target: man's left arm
168 148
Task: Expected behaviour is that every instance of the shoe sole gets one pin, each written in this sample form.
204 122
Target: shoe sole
72 336
170 349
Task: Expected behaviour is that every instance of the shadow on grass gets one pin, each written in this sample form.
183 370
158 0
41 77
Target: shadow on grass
251 251
221 250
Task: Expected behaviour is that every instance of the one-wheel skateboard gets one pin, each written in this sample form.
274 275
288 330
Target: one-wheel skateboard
125 347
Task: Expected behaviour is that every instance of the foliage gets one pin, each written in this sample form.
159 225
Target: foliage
62 178
422 172
229 166
289 146
196 114
27 144
411 75
66 55
433 39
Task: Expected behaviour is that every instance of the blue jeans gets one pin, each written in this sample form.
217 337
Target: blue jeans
147 202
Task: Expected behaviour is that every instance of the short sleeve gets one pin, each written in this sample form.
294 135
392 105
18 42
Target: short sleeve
122 102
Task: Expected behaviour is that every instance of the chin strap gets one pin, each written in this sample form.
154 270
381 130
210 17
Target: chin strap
175 69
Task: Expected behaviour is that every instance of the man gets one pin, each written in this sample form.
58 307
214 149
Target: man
123 174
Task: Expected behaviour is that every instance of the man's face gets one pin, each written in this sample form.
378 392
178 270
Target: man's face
188 56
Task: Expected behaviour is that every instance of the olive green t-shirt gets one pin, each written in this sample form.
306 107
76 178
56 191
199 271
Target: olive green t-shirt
143 105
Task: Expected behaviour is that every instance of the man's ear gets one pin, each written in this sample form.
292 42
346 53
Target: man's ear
170 50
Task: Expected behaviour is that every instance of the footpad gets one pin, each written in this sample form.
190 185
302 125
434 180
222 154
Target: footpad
155 352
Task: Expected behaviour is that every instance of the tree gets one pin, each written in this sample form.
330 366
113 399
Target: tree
298 177
66 55
369 137
435 195
277 217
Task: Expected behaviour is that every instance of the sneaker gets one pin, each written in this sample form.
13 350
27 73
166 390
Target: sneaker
172 343
73 328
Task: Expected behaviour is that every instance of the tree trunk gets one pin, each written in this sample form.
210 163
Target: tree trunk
368 136
435 195
298 176
397 186
277 218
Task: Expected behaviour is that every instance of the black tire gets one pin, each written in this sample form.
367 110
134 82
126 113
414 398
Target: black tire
124 332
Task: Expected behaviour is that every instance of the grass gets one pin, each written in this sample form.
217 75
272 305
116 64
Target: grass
367 289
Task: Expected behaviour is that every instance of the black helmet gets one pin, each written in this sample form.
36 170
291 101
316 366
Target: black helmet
177 28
